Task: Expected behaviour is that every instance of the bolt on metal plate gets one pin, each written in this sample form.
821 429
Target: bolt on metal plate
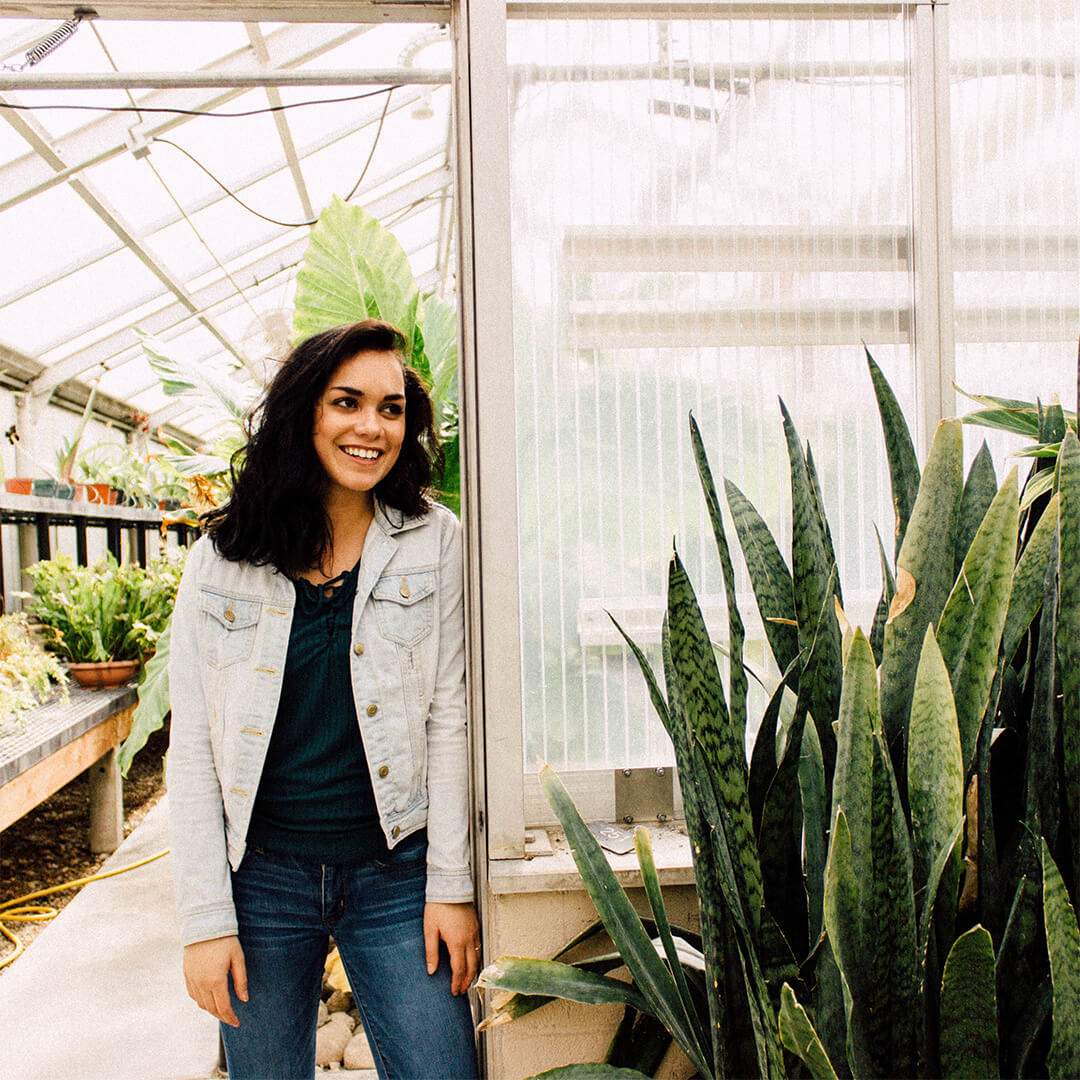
644 796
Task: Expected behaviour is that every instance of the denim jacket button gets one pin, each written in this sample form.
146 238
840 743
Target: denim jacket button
395 832
384 771
358 649
372 710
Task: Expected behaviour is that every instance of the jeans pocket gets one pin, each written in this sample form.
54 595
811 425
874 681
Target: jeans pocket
408 857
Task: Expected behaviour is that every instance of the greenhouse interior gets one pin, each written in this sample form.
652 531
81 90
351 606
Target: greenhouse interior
751 333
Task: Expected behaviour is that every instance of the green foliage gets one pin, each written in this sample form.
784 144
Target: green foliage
105 611
851 915
28 672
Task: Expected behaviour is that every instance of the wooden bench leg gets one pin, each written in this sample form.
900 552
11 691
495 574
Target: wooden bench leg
106 804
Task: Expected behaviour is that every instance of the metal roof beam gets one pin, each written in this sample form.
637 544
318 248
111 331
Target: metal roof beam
317 11
208 79
34 135
105 138
106 350
281 122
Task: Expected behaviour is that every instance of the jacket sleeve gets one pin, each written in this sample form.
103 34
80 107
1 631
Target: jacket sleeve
196 811
449 879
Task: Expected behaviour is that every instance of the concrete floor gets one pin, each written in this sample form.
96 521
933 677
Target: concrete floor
99 995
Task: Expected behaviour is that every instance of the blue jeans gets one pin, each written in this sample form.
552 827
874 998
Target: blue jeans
287 908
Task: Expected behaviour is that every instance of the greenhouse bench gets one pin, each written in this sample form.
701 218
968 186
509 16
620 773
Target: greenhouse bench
54 743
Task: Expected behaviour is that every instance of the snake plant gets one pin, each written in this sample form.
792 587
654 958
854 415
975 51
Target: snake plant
888 887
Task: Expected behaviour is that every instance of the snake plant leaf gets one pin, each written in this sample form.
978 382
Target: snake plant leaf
640 1041
979 490
701 697
935 773
780 845
933 887
1027 589
1052 425
591 1070
550 978
830 1008
656 695
1021 970
770 577
651 881
971 625
736 631
1042 814
656 984
815 813
899 451
1018 418
1037 484
819 504
927 556
891 1005
334 284
969 1026
763 757
814 577
1068 632
799 1037
888 591
1063 945
859 719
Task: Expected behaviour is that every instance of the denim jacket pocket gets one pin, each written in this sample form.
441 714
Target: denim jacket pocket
227 627
405 606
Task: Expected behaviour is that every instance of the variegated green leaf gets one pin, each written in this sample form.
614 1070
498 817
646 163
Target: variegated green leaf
969 633
701 697
770 577
924 578
800 1038
935 776
979 490
736 632
826 533
592 1070
969 1028
1063 945
550 978
1068 632
899 451
881 612
1027 589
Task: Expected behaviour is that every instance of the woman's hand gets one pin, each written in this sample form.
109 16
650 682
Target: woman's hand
207 966
456 924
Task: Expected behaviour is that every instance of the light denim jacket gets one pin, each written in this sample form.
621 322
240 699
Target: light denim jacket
229 638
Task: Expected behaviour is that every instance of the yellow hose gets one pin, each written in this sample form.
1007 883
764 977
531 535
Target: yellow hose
18 910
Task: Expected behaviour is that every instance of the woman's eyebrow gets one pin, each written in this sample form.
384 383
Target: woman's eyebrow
360 393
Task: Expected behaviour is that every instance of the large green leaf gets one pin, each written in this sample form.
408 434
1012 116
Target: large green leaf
1027 588
1021 970
935 774
1063 945
592 1070
923 580
736 632
701 697
770 577
550 978
655 982
826 533
153 705
843 924
969 1031
971 625
800 1038
899 451
651 882
210 390
815 813
813 573
881 612
979 490
1068 633
334 285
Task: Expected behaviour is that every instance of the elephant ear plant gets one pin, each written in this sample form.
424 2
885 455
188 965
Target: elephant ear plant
888 888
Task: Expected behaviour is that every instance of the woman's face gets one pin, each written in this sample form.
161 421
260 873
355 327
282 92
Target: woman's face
360 422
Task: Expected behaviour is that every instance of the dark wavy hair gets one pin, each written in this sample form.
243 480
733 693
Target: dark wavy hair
276 511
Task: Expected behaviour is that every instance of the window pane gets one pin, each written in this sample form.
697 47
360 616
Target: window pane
706 214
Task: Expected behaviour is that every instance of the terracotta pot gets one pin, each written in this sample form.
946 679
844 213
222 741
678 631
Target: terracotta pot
97 676
20 485
101 494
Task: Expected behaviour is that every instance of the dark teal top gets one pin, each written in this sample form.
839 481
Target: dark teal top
315 798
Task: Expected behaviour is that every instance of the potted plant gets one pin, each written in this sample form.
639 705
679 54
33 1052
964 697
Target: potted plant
103 619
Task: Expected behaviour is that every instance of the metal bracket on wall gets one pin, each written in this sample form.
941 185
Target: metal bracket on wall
644 795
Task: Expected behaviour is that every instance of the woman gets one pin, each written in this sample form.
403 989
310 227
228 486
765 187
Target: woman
317 772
